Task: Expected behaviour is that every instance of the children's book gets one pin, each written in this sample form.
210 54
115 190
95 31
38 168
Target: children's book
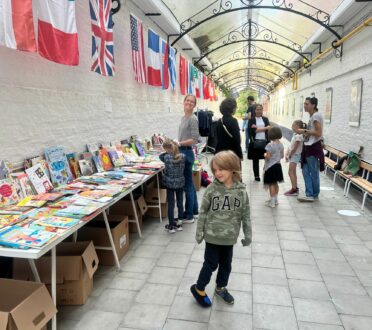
92 148
97 195
30 162
94 179
63 202
134 148
58 222
85 167
76 211
4 169
42 212
15 209
97 162
29 201
24 185
59 169
140 150
49 197
114 157
74 164
106 162
9 220
8 193
39 179
87 156
17 236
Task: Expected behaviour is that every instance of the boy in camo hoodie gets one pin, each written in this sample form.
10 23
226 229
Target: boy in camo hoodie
224 208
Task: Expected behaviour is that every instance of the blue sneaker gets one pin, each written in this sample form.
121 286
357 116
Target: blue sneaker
203 301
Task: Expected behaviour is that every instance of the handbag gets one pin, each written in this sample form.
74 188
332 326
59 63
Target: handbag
226 130
259 144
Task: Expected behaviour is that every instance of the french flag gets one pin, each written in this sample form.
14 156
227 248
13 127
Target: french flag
17 25
154 67
57 33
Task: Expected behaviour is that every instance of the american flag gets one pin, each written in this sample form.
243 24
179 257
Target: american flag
138 54
102 38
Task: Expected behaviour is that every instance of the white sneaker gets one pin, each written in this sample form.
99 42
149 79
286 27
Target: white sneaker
196 216
269 203
188 220
305 199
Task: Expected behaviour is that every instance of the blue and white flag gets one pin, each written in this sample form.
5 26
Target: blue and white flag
172 67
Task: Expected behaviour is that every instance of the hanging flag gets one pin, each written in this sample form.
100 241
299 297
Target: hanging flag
206 88
57 33
200 82
102 37
17 25
172 67
154 67
164 65
184 77
138 54
193 76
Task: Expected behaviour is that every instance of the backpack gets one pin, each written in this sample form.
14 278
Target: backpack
353 162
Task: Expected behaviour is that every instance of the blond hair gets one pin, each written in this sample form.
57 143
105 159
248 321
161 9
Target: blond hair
229 161
172 148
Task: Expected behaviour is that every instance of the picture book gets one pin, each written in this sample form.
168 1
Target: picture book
9 220
87 156
92 148
114 157
30 162
49 197
14 209
8 193
140 150
23 184
85 167
97 162
40 213
19 236
134 148
29 201
74 164
76 211
94 179
58 166
59 222
39 179
105 158
96 194
4 169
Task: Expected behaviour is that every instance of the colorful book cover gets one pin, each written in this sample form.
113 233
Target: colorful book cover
98 162
8 193
14 209
114 158
87 156
96 194
42 212
105 158
140 150
24 184
76 211
74 164
92 148
9 220
19 236
58 222
30 162
85 167
4 169
94 179
29 201
39 179
134 148
63 202
49 197
58 166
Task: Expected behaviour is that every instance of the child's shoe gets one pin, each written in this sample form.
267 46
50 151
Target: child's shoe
202 300
171 229
178 225
270 203
225 295
292 192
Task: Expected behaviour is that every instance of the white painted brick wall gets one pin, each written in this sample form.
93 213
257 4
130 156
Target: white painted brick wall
44 104
356 63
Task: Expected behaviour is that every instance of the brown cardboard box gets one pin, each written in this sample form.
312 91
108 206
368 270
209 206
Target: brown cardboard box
24 305
76 265
97 232
124 207
151 194
154 211
196 177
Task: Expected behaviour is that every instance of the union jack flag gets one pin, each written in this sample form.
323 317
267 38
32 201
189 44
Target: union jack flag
102 38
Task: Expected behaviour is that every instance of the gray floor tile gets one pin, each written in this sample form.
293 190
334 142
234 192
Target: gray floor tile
343 285
98 320
181 247
149 251
117 301
316 242
269 276
267 261
240 282
365 277
295 257
303 272
356 322
361 263
334 267
242 304
294 245
266 248
193 269
308 290
242 252
242 266
197 256
139 265
320 233
186 308
274 317
153 239
122 283
159 294
229 321
136 276
184 325
353 305
327 254
271 294
291 235
346 239
146 316
352 250
316 311
174 260
166 275
315 326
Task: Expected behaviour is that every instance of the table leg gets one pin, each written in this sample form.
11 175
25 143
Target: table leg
135 214
34 270
157 179
74 236
54 286
111 240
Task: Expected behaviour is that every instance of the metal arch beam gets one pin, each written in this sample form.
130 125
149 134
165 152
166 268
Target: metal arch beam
254 81
252 85
260 69
247 7
252 58
252 40
245 77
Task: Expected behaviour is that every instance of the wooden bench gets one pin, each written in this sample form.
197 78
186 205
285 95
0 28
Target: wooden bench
330 164
362 182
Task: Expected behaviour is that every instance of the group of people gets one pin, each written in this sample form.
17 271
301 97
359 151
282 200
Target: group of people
225 204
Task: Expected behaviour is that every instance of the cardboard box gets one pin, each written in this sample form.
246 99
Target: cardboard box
76 265
152 196
96 231
124 207
196 177
24 305
154 211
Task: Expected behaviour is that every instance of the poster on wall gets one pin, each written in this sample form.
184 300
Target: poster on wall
328 105
301 108
356 102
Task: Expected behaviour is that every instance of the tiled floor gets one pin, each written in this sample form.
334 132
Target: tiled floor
308 268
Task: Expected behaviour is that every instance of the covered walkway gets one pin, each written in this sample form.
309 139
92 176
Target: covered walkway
308 268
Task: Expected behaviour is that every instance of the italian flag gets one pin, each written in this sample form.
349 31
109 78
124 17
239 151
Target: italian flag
57 33
16 25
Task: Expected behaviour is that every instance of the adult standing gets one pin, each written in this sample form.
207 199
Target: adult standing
248 117
259 127
228 132
188 135
312 157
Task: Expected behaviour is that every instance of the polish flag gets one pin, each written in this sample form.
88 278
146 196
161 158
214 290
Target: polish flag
17 25
57 33
154 67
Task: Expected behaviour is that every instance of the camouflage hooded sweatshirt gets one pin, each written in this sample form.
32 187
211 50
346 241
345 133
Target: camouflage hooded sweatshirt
222 212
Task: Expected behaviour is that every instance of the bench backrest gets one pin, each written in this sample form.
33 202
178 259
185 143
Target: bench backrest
334 151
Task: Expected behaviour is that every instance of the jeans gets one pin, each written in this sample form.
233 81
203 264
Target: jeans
215 256
247 135
256 167
179 200
191 204
310 171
